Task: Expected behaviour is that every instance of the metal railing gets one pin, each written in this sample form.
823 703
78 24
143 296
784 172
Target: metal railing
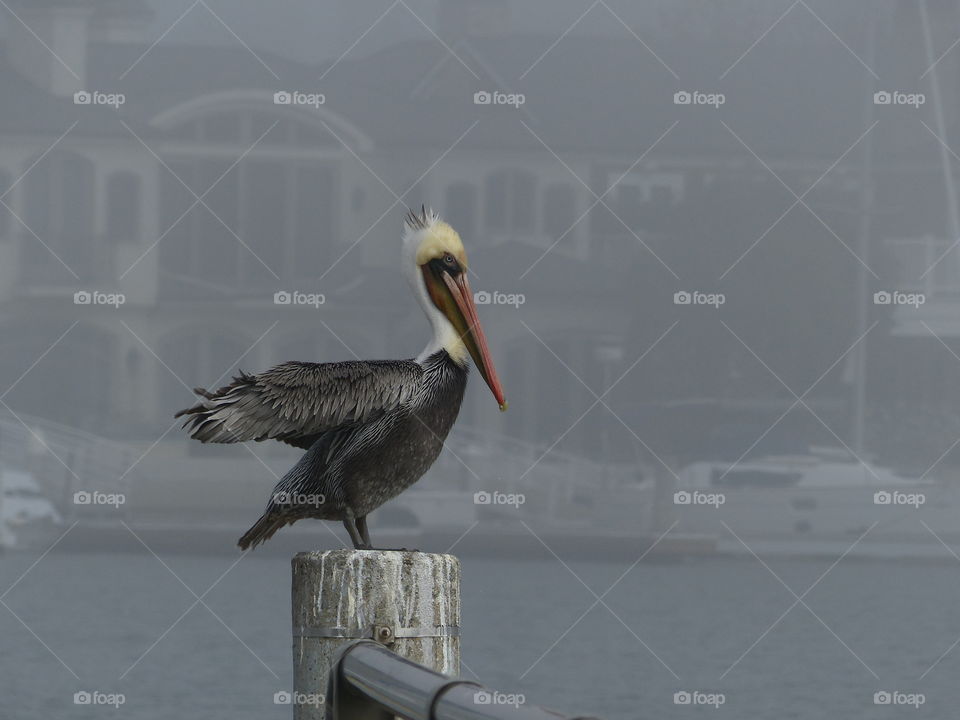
369 682
65 460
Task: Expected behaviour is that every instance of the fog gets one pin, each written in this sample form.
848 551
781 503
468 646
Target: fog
714 249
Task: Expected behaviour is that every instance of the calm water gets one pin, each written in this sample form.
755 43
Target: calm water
527 625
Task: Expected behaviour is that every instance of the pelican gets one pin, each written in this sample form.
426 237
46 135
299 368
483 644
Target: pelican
370 428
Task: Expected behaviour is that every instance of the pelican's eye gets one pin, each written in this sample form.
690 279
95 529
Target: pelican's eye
446 263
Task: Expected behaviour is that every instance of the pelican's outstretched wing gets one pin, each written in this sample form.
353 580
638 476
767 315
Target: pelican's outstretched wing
296 401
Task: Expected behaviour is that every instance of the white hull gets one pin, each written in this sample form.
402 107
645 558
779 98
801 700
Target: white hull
818 511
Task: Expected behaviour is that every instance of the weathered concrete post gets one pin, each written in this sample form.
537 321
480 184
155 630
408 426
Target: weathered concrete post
409 601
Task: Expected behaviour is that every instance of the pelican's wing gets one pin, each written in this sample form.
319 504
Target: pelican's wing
296 401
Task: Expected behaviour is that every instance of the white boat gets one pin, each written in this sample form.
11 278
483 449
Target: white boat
821 496
27 517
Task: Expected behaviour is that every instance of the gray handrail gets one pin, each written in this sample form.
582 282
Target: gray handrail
369 682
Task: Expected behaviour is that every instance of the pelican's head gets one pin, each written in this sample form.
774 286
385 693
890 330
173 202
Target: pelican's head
436 265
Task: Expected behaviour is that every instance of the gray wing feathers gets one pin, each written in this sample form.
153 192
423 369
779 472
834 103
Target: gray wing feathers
299 399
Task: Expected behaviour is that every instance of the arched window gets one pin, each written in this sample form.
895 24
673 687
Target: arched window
123 207
270 215
197 252
510 202
460 208
559 210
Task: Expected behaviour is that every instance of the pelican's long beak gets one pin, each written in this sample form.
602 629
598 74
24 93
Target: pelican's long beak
463 315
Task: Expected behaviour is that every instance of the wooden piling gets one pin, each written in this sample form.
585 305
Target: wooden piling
409 601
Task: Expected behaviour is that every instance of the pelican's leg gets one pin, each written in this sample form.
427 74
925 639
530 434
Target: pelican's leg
364 532
357 527
352 527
